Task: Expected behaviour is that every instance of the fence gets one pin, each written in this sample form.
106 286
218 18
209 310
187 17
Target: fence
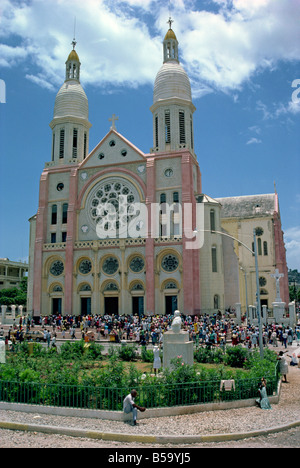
151 396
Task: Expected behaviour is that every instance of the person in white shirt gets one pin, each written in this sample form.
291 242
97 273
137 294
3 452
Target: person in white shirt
129 406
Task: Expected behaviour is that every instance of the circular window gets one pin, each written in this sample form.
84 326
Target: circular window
259 231
85 267
112 202
110 266
124 153
137 264
170 263
262 281
168 172
101 156
57 268
112 143
60 187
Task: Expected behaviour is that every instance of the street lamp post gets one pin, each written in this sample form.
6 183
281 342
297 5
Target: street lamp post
246 293
258 296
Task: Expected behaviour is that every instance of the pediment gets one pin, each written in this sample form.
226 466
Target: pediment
114 149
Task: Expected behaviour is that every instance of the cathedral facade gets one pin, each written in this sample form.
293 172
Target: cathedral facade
119 231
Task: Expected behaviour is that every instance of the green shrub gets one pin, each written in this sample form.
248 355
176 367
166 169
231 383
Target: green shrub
127 353
147 354
236 356
209 356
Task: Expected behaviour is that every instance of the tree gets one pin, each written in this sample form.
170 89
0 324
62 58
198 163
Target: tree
294 293
17 296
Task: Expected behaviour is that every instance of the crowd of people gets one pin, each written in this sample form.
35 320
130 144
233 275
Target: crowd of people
203 330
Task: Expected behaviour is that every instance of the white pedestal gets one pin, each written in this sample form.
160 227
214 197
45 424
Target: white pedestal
177 344
278 311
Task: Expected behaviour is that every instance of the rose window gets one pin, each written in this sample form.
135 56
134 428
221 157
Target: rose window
57 268
110 266
170 263
111 207
137 264
85 267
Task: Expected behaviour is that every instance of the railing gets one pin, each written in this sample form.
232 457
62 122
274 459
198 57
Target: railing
150 396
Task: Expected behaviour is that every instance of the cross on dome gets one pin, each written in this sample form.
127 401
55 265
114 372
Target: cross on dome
170 21
73 43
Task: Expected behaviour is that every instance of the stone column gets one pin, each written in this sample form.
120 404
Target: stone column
252 313
292 313
2 352
20 309
264 314
3 314
238 311
13 311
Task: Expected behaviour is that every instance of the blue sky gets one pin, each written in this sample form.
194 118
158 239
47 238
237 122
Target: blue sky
243 59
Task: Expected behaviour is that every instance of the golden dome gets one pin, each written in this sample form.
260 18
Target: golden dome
170 35
73 56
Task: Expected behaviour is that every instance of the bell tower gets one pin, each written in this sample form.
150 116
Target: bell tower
172 107
70 125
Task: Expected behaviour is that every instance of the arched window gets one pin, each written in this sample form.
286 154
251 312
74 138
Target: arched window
163 198
62 144
156 131
212 220
259 251
175 197
54 214
65 213
265 248
181 128
167 127
75 142
216 301
214 259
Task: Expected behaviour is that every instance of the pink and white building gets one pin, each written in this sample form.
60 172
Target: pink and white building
114 227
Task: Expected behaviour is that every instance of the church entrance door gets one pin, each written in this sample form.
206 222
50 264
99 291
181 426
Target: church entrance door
170 304
138 305
111 305
56 305
85 305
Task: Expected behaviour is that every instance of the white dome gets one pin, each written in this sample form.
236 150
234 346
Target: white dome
71 100
172 81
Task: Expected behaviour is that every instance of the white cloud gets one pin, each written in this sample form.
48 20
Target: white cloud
120 41
292 244
253 141
278 109
113 47
245 37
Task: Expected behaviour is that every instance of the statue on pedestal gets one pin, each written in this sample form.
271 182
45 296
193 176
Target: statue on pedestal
176 324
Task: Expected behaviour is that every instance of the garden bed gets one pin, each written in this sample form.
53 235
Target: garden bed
82 377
